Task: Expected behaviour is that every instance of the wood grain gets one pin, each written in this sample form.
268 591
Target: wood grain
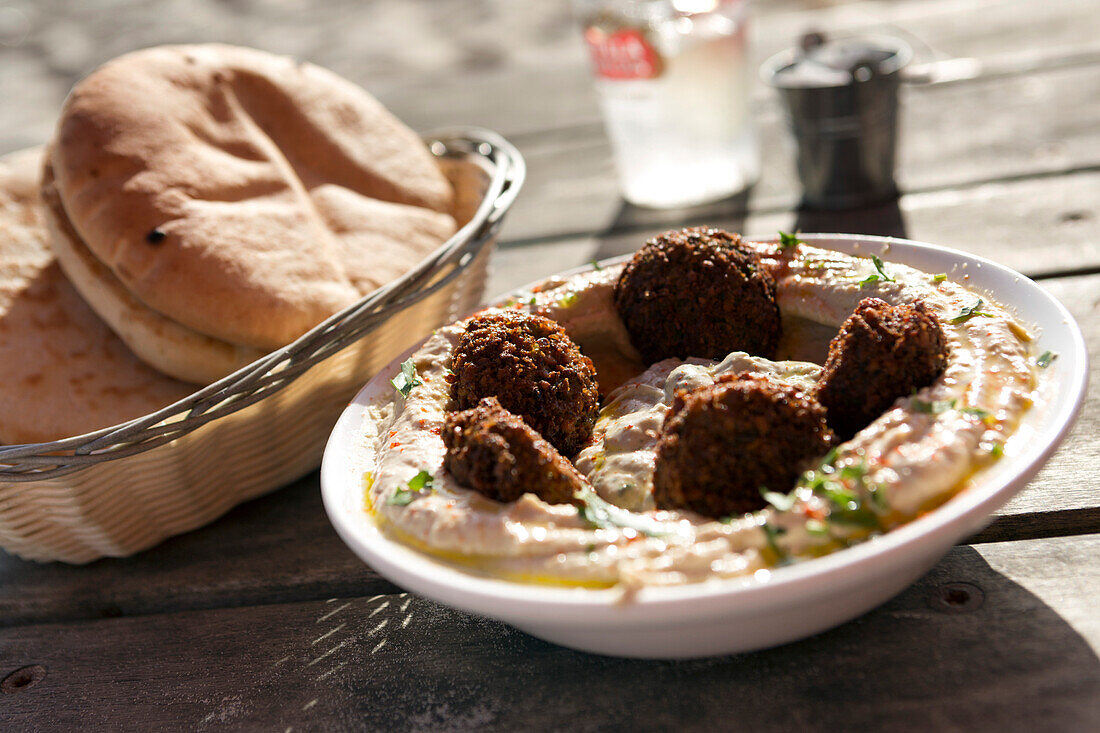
1041 226
274 549
1013 648
951 137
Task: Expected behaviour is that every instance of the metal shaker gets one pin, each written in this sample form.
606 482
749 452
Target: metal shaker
841 98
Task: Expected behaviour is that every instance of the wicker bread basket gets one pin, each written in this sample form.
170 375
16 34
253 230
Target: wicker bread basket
123 489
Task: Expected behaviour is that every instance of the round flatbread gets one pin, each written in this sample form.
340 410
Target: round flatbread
62 371
159 341
243 195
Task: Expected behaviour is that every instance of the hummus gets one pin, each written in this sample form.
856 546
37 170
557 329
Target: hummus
915 456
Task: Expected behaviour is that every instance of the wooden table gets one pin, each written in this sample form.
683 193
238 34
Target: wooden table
264 620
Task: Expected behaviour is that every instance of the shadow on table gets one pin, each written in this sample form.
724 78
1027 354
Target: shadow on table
884 220
633 223
964 648
619 236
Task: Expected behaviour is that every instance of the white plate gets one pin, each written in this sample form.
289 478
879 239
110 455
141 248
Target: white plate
721 617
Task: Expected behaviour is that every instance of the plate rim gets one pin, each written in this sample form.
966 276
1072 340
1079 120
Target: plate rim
962 513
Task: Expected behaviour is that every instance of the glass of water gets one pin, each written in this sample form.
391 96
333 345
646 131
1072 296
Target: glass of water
673 79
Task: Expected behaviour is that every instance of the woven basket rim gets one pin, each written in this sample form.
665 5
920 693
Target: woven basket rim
266 376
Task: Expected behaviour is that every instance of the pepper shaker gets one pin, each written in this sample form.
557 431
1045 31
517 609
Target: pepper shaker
841 97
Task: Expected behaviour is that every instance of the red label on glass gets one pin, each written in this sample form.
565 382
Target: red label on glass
622 54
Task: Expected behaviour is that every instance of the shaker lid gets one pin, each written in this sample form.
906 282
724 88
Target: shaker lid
823 62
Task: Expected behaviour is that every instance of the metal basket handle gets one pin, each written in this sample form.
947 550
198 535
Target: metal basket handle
273 372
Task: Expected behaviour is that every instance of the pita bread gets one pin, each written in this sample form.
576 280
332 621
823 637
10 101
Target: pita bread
162 343
243 195
62 371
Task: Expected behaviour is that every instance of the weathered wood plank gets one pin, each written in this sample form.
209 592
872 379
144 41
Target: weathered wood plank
460 61
987 129
1014 647
950 136
1040 226
1007 526
270 550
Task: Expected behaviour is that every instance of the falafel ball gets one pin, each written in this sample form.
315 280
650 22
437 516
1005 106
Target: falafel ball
721 443
882 352
696 292
494 452
532 366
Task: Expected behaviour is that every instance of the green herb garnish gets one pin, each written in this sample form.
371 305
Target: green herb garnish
995 447
407 379
933 408
967 313
771 535
841 497
877 277
403 496
878 500
532 300
859 517
420 481
604 514
1045 360
939 278
782 502
596 265
983 415
787 241
567 300
853 472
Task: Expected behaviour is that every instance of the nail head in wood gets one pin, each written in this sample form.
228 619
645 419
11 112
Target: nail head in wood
957 598
23 678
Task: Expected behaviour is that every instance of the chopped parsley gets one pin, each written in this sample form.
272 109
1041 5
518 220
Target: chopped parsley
1046 359
840 487
567 300
995 447
782 502
771 535
787 241
973 311
532 300
596 265
403 496
939 278
407 379
879 276
937 407
984 415
603 514
859 516
878 500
